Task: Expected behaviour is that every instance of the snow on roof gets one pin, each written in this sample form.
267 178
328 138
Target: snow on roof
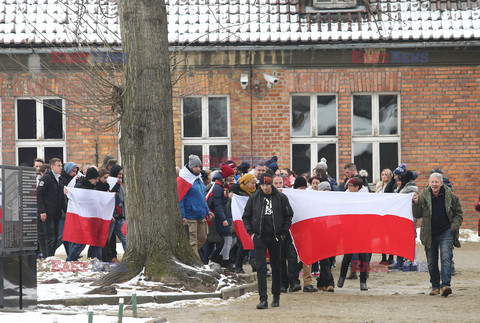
241 22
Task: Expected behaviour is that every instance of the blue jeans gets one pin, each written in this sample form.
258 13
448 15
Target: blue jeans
444 241
116 227
75 251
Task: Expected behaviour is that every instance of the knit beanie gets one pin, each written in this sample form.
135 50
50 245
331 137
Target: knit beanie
400 169
246 178
227 171
300 181
323 186
322 163
265 179
272 163
244 167
194 160
92 173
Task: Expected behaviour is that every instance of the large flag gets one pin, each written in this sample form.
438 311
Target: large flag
185 180
238 205
327 224
88 218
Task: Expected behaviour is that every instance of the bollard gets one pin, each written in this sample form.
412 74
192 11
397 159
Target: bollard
134 302
120 310
90 314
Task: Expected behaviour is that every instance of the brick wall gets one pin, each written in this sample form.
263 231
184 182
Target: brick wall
439 116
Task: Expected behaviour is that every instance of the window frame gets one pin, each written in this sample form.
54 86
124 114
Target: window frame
375 138
205 141
40 142
335 4
314 139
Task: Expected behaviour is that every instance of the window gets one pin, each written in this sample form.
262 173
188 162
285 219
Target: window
206 129
330 4
314 132
40 129
375 133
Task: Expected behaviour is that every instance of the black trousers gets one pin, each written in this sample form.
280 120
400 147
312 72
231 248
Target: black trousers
361 265
326 278
289 263
261 245
47 236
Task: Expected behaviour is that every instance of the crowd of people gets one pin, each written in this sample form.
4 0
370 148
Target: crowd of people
53 180
206 213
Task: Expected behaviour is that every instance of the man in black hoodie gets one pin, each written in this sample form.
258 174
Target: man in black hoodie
267 218
50 203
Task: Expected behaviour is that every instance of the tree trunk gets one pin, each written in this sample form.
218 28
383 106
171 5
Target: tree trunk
156 236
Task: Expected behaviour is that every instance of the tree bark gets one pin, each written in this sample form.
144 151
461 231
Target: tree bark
156 236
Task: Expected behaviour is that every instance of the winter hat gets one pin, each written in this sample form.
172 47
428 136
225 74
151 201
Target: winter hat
68 166
400 169
243 167
300 181
322 163
406 177
246 178
231 163
272 163
194 160
92 173
227 171
265 179
323 186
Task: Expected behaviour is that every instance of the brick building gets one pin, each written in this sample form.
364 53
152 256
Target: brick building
382 84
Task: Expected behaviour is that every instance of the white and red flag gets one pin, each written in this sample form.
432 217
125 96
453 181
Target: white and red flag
238 205
327 224
89 214
185 180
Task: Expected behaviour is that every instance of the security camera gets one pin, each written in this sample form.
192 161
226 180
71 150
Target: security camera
270 79
244 81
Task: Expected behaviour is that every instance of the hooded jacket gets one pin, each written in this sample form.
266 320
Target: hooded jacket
423 209
254 212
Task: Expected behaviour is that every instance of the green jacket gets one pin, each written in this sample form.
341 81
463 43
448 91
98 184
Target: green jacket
423 209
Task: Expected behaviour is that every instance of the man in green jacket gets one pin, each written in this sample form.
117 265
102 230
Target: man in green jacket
442 217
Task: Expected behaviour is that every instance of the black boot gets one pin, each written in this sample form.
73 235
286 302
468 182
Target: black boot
276 301
262 305
227 265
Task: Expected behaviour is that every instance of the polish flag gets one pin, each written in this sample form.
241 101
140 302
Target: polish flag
89 214
238 205
185 180
327 224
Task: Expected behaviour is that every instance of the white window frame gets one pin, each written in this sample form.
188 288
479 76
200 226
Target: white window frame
205 141
313 139
40 143
375 138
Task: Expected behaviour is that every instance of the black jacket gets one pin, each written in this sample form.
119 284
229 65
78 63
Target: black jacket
84 183
50 196
282 213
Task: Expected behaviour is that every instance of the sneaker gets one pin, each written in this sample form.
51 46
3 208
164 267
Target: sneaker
239 271
309 289
435 291
446 290
363 286
295 288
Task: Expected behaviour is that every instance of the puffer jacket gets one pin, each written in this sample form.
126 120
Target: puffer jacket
282 213
423 209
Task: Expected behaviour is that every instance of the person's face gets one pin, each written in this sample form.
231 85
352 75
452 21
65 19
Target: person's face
230 179
352 188
57 167
251 184
435 184
266 188
395 176
93 181
197 169
73 172
349 172
120 174
399 182
385 177
315 184
104 179
278 182
37 166
259 170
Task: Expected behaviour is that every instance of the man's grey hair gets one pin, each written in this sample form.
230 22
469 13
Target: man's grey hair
438 175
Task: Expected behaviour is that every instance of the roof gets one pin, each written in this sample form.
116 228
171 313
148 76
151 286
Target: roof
243 22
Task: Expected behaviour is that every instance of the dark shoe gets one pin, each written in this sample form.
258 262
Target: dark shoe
276 301
363 286
446 290
341 281
435 291
322 288
227 265
239 271
283 289
309 289
353 275
262 305
295 288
